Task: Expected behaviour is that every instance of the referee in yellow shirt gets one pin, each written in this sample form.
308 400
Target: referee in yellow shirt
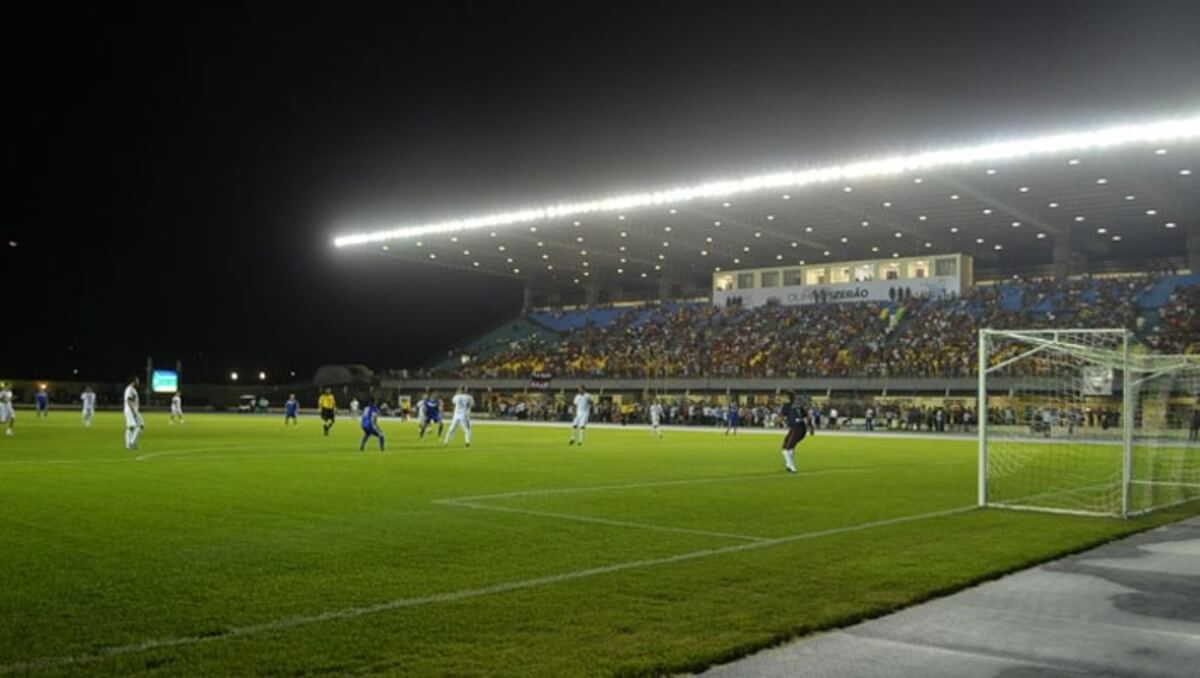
328 407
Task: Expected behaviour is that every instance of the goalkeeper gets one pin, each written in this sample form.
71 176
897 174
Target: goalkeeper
798 425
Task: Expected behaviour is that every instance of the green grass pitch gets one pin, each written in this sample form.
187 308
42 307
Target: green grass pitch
233 546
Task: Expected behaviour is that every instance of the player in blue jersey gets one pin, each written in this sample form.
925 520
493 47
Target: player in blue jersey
291 409
431 411
370 425
42 402
732 420
799 424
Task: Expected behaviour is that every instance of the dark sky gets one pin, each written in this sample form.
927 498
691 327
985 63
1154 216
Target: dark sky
178 169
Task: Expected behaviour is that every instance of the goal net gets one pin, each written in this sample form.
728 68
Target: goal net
1084 421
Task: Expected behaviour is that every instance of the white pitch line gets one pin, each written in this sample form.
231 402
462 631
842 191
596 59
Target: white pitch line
600 521
745 430
472 502
653 483
206 458
175 455
193 450
127 459
453 596
53 462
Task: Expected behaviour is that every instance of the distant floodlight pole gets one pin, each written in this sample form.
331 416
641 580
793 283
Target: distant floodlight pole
262 376
233 376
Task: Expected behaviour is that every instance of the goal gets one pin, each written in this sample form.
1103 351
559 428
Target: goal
1085 421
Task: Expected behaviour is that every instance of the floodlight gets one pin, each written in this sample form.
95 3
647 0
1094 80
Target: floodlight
1117 136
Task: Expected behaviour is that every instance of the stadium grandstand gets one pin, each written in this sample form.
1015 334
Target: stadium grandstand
852 282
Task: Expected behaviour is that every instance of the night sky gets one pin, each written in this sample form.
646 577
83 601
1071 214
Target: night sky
178 170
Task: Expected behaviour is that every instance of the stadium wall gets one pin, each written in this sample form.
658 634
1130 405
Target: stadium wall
867 385
65 394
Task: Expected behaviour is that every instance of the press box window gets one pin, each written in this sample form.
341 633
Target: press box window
945 267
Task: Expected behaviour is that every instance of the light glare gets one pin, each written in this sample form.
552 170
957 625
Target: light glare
1053 144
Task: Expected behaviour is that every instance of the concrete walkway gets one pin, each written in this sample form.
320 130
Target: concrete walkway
1130 608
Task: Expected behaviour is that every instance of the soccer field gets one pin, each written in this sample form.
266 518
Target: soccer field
231 545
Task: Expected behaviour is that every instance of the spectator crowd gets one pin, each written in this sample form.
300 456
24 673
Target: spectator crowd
912 337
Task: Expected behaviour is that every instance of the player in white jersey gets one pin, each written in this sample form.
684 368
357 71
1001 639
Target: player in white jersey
463 402
419 410
133 414
176 408
88 398
656 415
583 412
7 416
354 407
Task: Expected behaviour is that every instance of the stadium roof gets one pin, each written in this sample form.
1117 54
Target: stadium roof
1117 193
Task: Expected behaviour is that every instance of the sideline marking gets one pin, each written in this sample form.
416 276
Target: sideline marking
452 596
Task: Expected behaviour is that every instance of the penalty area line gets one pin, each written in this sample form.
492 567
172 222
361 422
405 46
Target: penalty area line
193 450
654 483
473 502
600 521
454 596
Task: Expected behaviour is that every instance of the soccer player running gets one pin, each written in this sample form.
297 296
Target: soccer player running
583 412
799 424
176 409
328 406
42 402
133 414
656 415
431 413
463 402
88 398
290 409
8 417
370 426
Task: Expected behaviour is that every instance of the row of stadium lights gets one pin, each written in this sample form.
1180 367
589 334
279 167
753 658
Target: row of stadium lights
1074 162
1115 136
954 229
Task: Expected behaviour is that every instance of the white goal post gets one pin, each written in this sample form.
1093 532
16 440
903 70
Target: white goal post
1085 422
